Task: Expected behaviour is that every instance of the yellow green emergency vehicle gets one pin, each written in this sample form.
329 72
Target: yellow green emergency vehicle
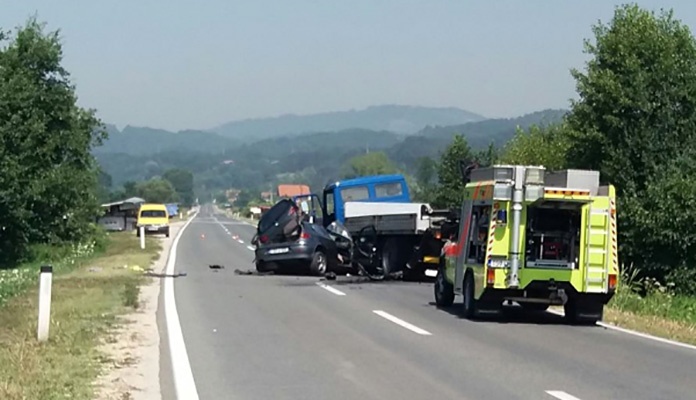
532 237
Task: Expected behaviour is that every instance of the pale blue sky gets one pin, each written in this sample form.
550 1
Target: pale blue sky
178 64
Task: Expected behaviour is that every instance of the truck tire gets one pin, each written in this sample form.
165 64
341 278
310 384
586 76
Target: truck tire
583 312
319 264
469 304
392 256
444 291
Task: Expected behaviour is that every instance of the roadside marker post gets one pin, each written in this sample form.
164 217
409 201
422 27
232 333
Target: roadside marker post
45 283
142 237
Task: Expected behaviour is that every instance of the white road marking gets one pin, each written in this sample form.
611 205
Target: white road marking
331 289
251 248
240 241
636 333
561 395
401 322
184 384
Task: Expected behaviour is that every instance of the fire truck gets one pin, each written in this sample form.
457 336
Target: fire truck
535 238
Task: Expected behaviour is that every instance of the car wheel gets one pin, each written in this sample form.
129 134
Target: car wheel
444 291
319 263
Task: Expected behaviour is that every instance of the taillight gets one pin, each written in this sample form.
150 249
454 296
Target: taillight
438 235
612 282
263 239
490 276
304 235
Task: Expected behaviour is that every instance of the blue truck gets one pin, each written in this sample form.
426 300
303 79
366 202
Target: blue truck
407 236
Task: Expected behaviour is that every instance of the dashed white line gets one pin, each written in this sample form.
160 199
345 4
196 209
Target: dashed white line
251 248
184 384
240 241
401 322
561 395
330 289
635 333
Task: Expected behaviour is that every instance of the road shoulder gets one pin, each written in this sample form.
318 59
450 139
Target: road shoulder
135 344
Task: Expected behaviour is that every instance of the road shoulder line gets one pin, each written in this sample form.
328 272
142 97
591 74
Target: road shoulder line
636 333
184 384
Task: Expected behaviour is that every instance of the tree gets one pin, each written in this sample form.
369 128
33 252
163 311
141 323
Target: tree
157 190
244 198
426 180
450 191
634 120
376 163
182 180
539 145
48 185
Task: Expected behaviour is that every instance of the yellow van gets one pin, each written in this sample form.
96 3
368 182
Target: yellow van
154 218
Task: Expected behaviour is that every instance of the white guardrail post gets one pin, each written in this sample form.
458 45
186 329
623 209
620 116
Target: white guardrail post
45 282
142 237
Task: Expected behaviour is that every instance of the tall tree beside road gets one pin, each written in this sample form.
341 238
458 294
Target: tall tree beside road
182 180
450 189
635 121
48 184
157 190
539 145
376 163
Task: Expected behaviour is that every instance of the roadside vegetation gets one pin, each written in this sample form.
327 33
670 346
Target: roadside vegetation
90 291
50 189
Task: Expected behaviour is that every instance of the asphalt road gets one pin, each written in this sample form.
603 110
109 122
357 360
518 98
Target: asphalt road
286 337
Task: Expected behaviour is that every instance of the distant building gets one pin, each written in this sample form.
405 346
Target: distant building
289 190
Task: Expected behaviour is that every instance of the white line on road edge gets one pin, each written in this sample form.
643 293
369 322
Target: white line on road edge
636 333
240 241
251 248
330 289
401 322
561 395
184 385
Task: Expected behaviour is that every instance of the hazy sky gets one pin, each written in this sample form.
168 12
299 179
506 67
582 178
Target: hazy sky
177 64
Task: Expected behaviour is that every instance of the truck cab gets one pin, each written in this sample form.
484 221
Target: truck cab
373 189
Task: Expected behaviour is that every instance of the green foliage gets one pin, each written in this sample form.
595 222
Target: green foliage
156 190
450 192
48 185
425 180
244 198
182 181
539 145
635 121
376 163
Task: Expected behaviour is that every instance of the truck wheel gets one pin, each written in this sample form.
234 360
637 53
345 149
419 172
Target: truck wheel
469 305
444 291
581 312
319 263
392 257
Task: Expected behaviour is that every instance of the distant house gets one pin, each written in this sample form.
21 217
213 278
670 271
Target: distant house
121 215
289 190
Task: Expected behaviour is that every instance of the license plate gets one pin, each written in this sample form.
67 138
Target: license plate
278 251
152 229
431 273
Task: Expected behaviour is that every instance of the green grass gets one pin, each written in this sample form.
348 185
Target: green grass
657 312
87 298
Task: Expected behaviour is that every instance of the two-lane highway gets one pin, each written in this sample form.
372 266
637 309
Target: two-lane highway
290 337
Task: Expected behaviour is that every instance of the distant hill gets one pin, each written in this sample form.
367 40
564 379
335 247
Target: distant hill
394 118
142 140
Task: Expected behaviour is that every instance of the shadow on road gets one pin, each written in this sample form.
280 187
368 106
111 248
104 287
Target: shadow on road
508 315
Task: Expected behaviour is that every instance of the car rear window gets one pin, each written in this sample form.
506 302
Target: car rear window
153 214
274 214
